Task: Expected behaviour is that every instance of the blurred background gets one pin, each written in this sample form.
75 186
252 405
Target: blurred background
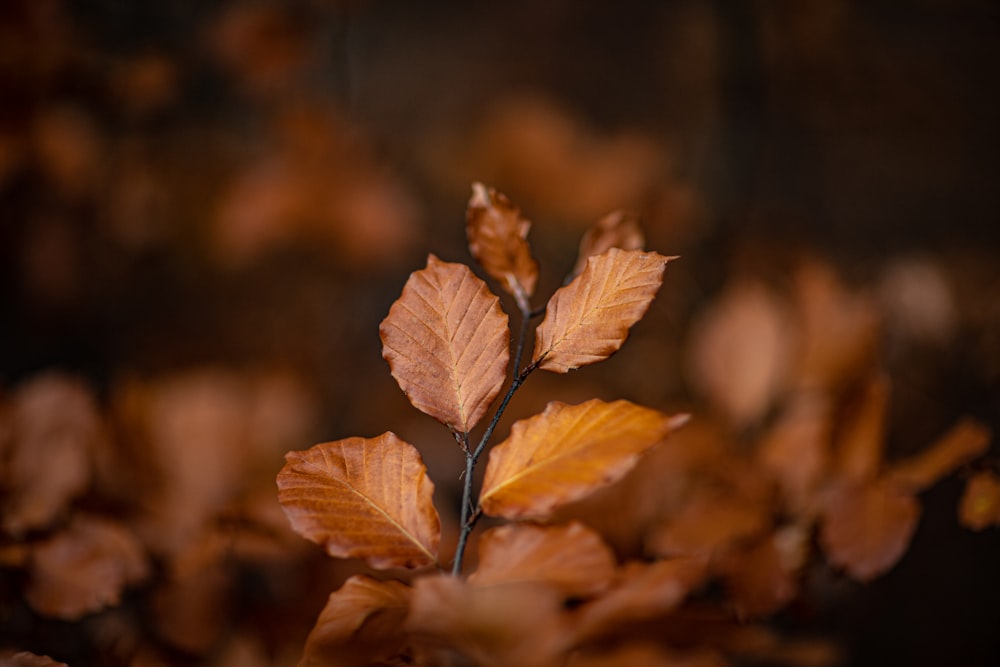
206 208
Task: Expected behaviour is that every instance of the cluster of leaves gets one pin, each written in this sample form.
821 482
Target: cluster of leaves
594 544
135 520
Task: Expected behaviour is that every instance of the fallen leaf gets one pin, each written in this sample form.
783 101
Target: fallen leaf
572 558
84 568
980 505
367 498
362 623
643 591
867 526
567 452
498 240
447 343
962 443
618 229
589 319
503 625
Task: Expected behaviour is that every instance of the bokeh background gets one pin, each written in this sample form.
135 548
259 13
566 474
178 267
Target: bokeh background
206 208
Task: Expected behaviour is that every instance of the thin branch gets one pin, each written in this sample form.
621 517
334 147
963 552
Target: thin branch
463 537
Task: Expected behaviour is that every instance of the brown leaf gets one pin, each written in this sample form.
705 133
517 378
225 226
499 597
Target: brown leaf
980 505
25 659
708 523
740 349
572 558
859 445
447 342
362 623
567 452
619 229
588 320
498 240
503 625
84 568
867 527
55 429
962 443
367 498
644 591
764 578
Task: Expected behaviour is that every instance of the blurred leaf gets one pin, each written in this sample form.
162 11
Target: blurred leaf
962 443
739 351
362 623
189 606
55 429
25 659
364 498
501 625
84 568
589 319
618 229
860 443
644 591
709 521
498 240
867 526
572 558
447 343
643 654
764 578
980 505
567 452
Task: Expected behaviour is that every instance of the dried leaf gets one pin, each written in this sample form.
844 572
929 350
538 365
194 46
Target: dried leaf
859 445
980 506
867 527
367 498
739 351
447 342
84 568
708 523
588 320
644 591
964 442
362 623
567 452
619 229
764 578
25 659
502 625
572 558
55 430
498 240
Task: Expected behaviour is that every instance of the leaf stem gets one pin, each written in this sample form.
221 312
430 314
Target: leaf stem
470 514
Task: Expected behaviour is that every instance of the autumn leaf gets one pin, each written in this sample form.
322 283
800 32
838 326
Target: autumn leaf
618 229
567 452
962 443
764 578
980 505
867 526
84 568
367 498
860 444
572 558
643 591
498 240
588 320
447 343
501 625
362 623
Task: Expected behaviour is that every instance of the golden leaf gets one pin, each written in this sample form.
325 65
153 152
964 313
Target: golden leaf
363 498
588 320
498 240
571 557
567 452
447 343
